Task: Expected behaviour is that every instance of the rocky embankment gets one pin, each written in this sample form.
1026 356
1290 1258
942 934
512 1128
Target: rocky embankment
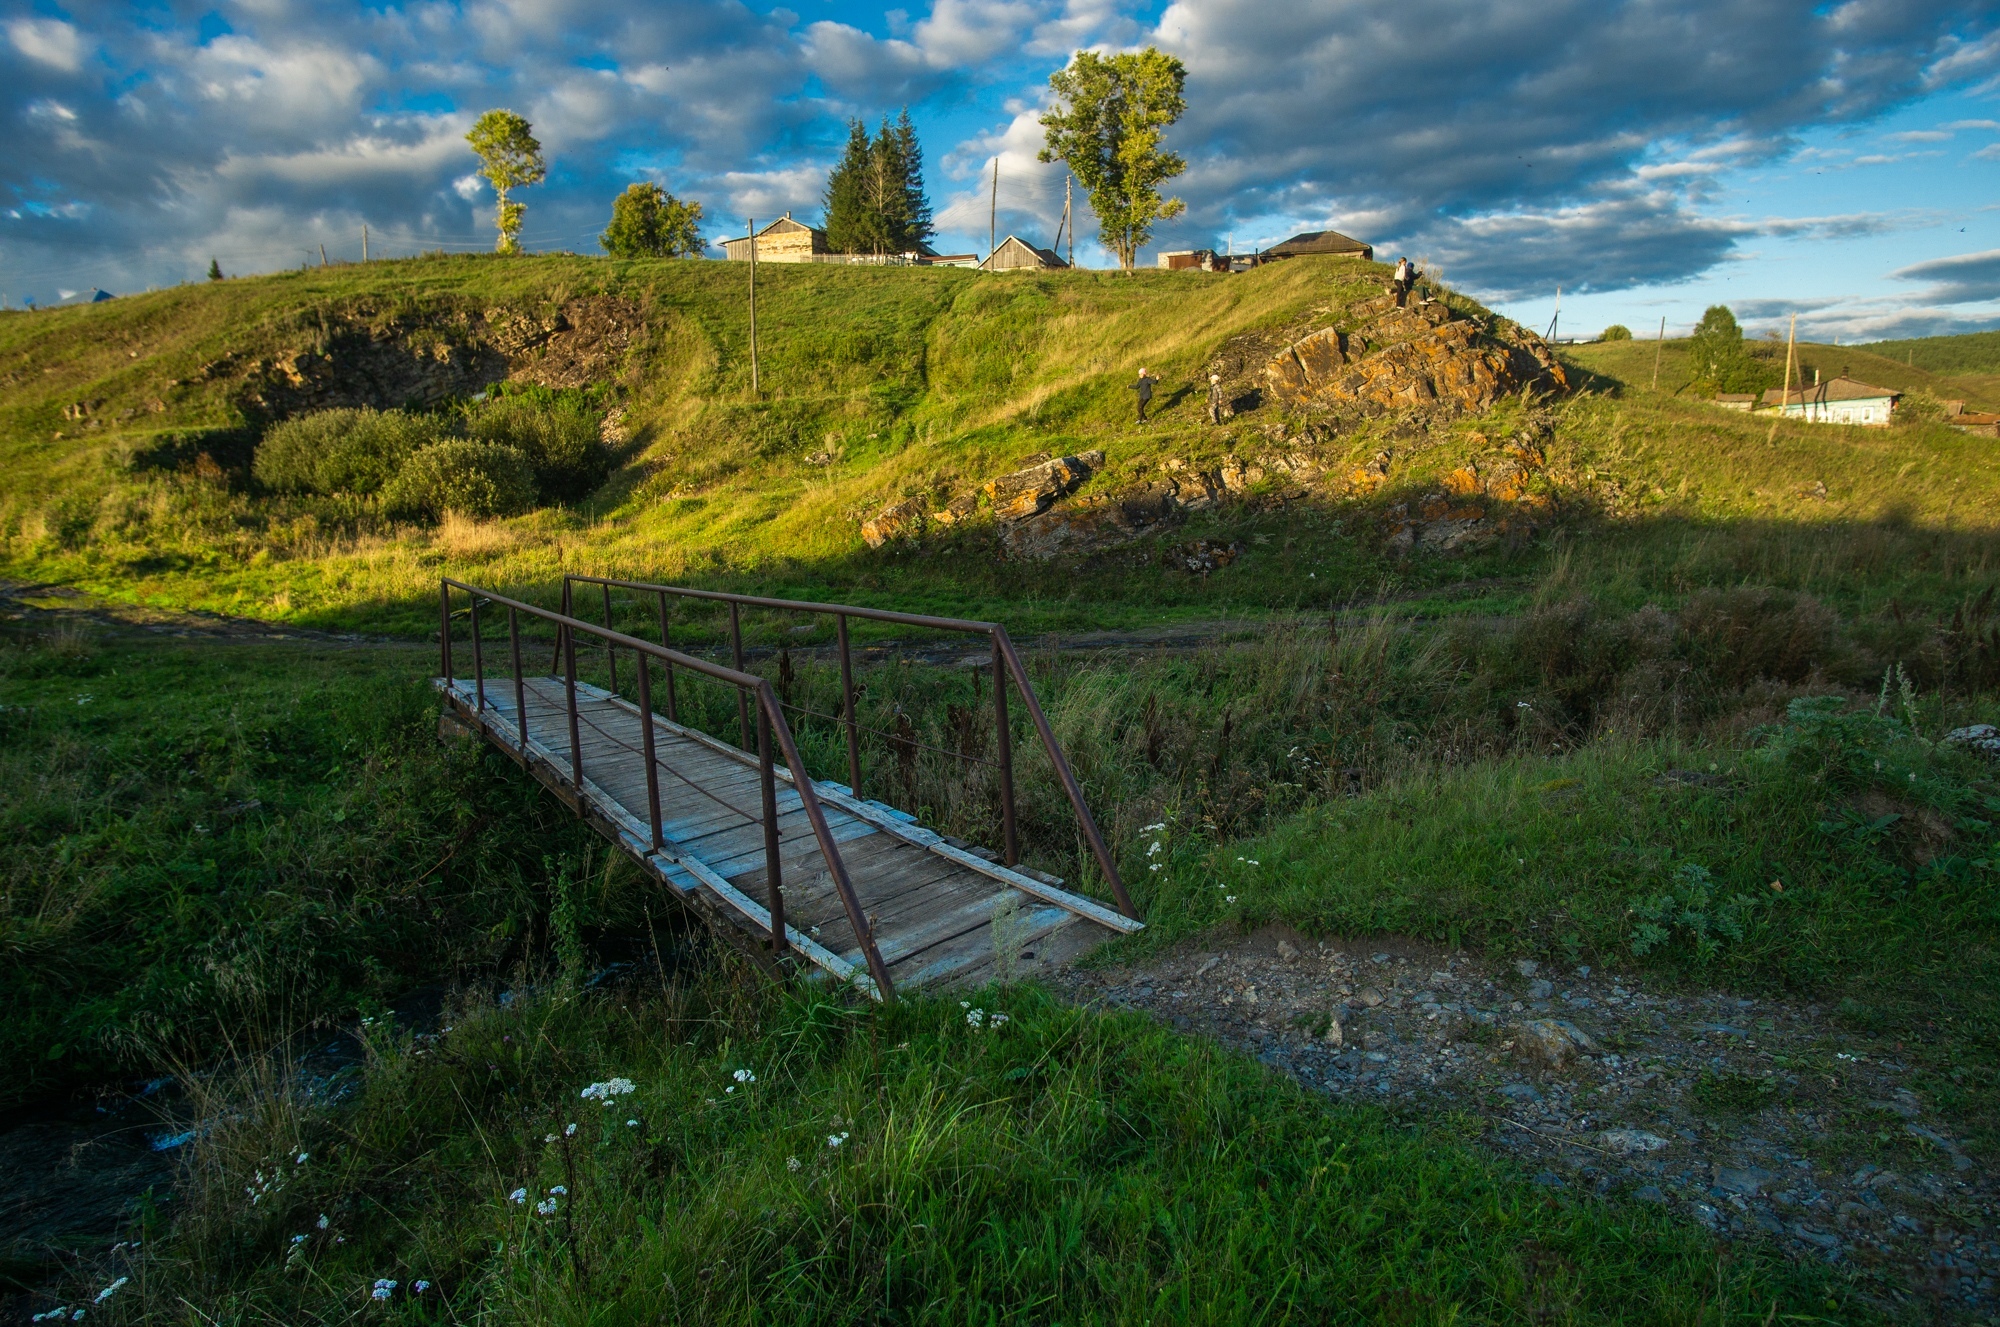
387 359
1762 1119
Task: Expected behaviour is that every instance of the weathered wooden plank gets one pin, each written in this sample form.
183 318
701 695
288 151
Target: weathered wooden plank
943 964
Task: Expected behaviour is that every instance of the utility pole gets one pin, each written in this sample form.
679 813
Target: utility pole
322 255
1658 346
1069 180
1551 335
364 241
993 210
1785 396
750 225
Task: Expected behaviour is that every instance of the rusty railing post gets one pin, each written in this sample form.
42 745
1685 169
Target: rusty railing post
556 654
1019 673
774 880
673 709
444 632
610 655
864 931
478 662
646 741
736 662
847 706
569 700
520 683
1004 736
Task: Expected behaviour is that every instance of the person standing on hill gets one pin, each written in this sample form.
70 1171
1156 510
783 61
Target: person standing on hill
1145 389
1215 398
1404 277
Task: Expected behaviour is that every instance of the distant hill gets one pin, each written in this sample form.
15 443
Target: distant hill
1973 352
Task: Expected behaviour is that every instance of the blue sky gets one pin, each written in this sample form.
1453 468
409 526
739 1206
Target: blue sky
1833 160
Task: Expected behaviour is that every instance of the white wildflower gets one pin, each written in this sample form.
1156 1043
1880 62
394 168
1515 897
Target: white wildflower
999 1019
1229 898
322 1221
298 1239
546 1207
570 1132
975 1018
421 1286
792 1164
84 700
1154 867
562 1189
1153 848
303 1157
631 1124
836 1139
383 1289
518 1197
744 1076
1255 862
549 1137
609 1088
1151 828
110 1290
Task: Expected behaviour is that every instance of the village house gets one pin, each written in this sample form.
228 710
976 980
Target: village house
1193 260
1330 242
1015 254
1841 400
788 241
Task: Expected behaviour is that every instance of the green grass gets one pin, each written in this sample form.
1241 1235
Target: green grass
1969 352
887 1165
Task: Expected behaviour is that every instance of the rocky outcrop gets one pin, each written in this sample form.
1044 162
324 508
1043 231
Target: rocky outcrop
365 357
1033 490
1379 356
900 520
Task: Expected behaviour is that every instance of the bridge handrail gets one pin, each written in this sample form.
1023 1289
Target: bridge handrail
1005 657
770 721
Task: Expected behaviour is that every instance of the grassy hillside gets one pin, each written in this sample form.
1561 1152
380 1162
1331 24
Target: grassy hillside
878 383
1971 352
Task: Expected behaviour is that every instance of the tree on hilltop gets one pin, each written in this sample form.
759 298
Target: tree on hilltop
1717 357
1107 128
214 270
875 200
649 222
510 158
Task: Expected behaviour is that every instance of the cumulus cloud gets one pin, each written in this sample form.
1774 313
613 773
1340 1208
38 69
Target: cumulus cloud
49 41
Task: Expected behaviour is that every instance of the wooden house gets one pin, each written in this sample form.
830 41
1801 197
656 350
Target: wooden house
783 241
1015 254
1840 400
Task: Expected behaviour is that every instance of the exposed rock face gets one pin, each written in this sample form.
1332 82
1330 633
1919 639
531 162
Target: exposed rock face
419 358
1385 357
1107 520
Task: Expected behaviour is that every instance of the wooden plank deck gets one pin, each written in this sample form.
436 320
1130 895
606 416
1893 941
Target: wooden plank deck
942 915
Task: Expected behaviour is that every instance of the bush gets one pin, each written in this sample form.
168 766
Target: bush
558 436
462 475
1616 332
341 451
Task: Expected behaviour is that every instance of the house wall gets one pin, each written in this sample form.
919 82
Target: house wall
794 244
1012 257
1872 411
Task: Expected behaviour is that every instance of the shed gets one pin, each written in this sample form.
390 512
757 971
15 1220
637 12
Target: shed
1841 400
1016 254
1330 242
1187 260
783 241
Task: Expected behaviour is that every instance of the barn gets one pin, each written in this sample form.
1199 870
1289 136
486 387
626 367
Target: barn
783 241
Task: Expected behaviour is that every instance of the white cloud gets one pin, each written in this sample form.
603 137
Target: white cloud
468 187
49 41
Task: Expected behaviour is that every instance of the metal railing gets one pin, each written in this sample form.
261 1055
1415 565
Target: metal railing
770 724
1006 664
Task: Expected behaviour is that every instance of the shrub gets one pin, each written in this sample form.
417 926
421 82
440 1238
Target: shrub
1616 332
1739 635
341 451
559 437
1692 910
462 475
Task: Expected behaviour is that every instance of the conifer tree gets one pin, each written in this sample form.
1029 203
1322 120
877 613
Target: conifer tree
875 201
214 270
847 229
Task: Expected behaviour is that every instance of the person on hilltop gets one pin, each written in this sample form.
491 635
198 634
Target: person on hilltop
1215 398
1405 277
1145 389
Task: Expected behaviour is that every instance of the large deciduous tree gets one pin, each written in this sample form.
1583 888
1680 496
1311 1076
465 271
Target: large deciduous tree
1106 127
875 201
649 222
1717 357
510 158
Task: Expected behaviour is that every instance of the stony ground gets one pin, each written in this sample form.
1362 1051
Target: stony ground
1760 1119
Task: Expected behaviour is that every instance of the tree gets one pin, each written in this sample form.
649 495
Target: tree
214 270
510 159
1715 348
649 222
875 200
1616 332
1107 130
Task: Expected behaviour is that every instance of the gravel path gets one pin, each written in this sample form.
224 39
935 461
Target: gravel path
1758 1118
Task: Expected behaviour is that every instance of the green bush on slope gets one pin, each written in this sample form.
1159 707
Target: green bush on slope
341 451
462 476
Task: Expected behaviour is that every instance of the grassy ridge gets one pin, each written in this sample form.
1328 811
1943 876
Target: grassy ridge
914 381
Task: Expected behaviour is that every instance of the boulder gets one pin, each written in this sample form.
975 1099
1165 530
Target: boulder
1423 355
1032 491
903 520
1553 1041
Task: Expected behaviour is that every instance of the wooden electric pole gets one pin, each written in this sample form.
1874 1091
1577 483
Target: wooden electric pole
750 225
993 210
1068 221
364 241
1658 346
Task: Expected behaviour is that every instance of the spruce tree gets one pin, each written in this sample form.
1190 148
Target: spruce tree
915 205
847 229
214 270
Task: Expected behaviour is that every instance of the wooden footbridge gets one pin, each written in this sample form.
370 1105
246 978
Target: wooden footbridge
790 867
